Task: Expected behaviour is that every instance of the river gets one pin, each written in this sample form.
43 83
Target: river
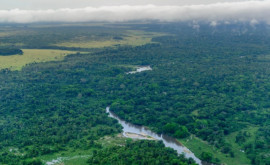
144 133
141 132
140 69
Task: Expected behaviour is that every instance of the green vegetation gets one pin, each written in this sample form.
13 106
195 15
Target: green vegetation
214 90
17 62
69 157
209 88
130 37
73 37
139 152
199 146
51 107
8 52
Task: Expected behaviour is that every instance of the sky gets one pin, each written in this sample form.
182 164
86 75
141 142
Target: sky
56 4
213 11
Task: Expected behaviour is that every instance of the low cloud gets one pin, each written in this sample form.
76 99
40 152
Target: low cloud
248 11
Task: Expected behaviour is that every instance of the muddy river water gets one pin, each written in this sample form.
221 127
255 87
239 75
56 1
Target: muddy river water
141 132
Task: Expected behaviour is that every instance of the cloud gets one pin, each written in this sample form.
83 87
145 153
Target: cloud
250 11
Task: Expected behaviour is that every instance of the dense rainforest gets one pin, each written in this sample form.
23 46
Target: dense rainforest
210 83
139 152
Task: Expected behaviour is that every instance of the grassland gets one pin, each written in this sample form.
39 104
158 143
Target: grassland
80 157
5 34
130 37
92 38
16 62
88 38
70 157
197 146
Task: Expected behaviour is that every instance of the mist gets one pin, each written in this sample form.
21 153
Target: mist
247 11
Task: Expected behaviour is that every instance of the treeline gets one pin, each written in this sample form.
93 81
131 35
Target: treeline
47 37
9 51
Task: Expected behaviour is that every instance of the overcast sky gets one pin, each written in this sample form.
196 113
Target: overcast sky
214 11
56 4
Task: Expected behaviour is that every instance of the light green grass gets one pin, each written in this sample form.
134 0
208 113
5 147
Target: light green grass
16 62
5 34
264 57
76 161
251 130
70 157
113 140
197 146
80 157
132 38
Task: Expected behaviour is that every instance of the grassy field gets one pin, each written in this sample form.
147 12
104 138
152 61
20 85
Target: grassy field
131 37
16 62
197 146
4 34
80 157
70 157
112 140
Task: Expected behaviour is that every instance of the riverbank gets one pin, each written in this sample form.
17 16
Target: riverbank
141 132
138 136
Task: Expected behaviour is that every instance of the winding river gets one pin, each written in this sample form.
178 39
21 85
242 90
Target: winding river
141 132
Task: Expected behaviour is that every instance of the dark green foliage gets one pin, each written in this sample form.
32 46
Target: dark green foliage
206 156
213 84
209 83
33 162
182 132
176 130
241 138
118 38
9 52
139 152
47 108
